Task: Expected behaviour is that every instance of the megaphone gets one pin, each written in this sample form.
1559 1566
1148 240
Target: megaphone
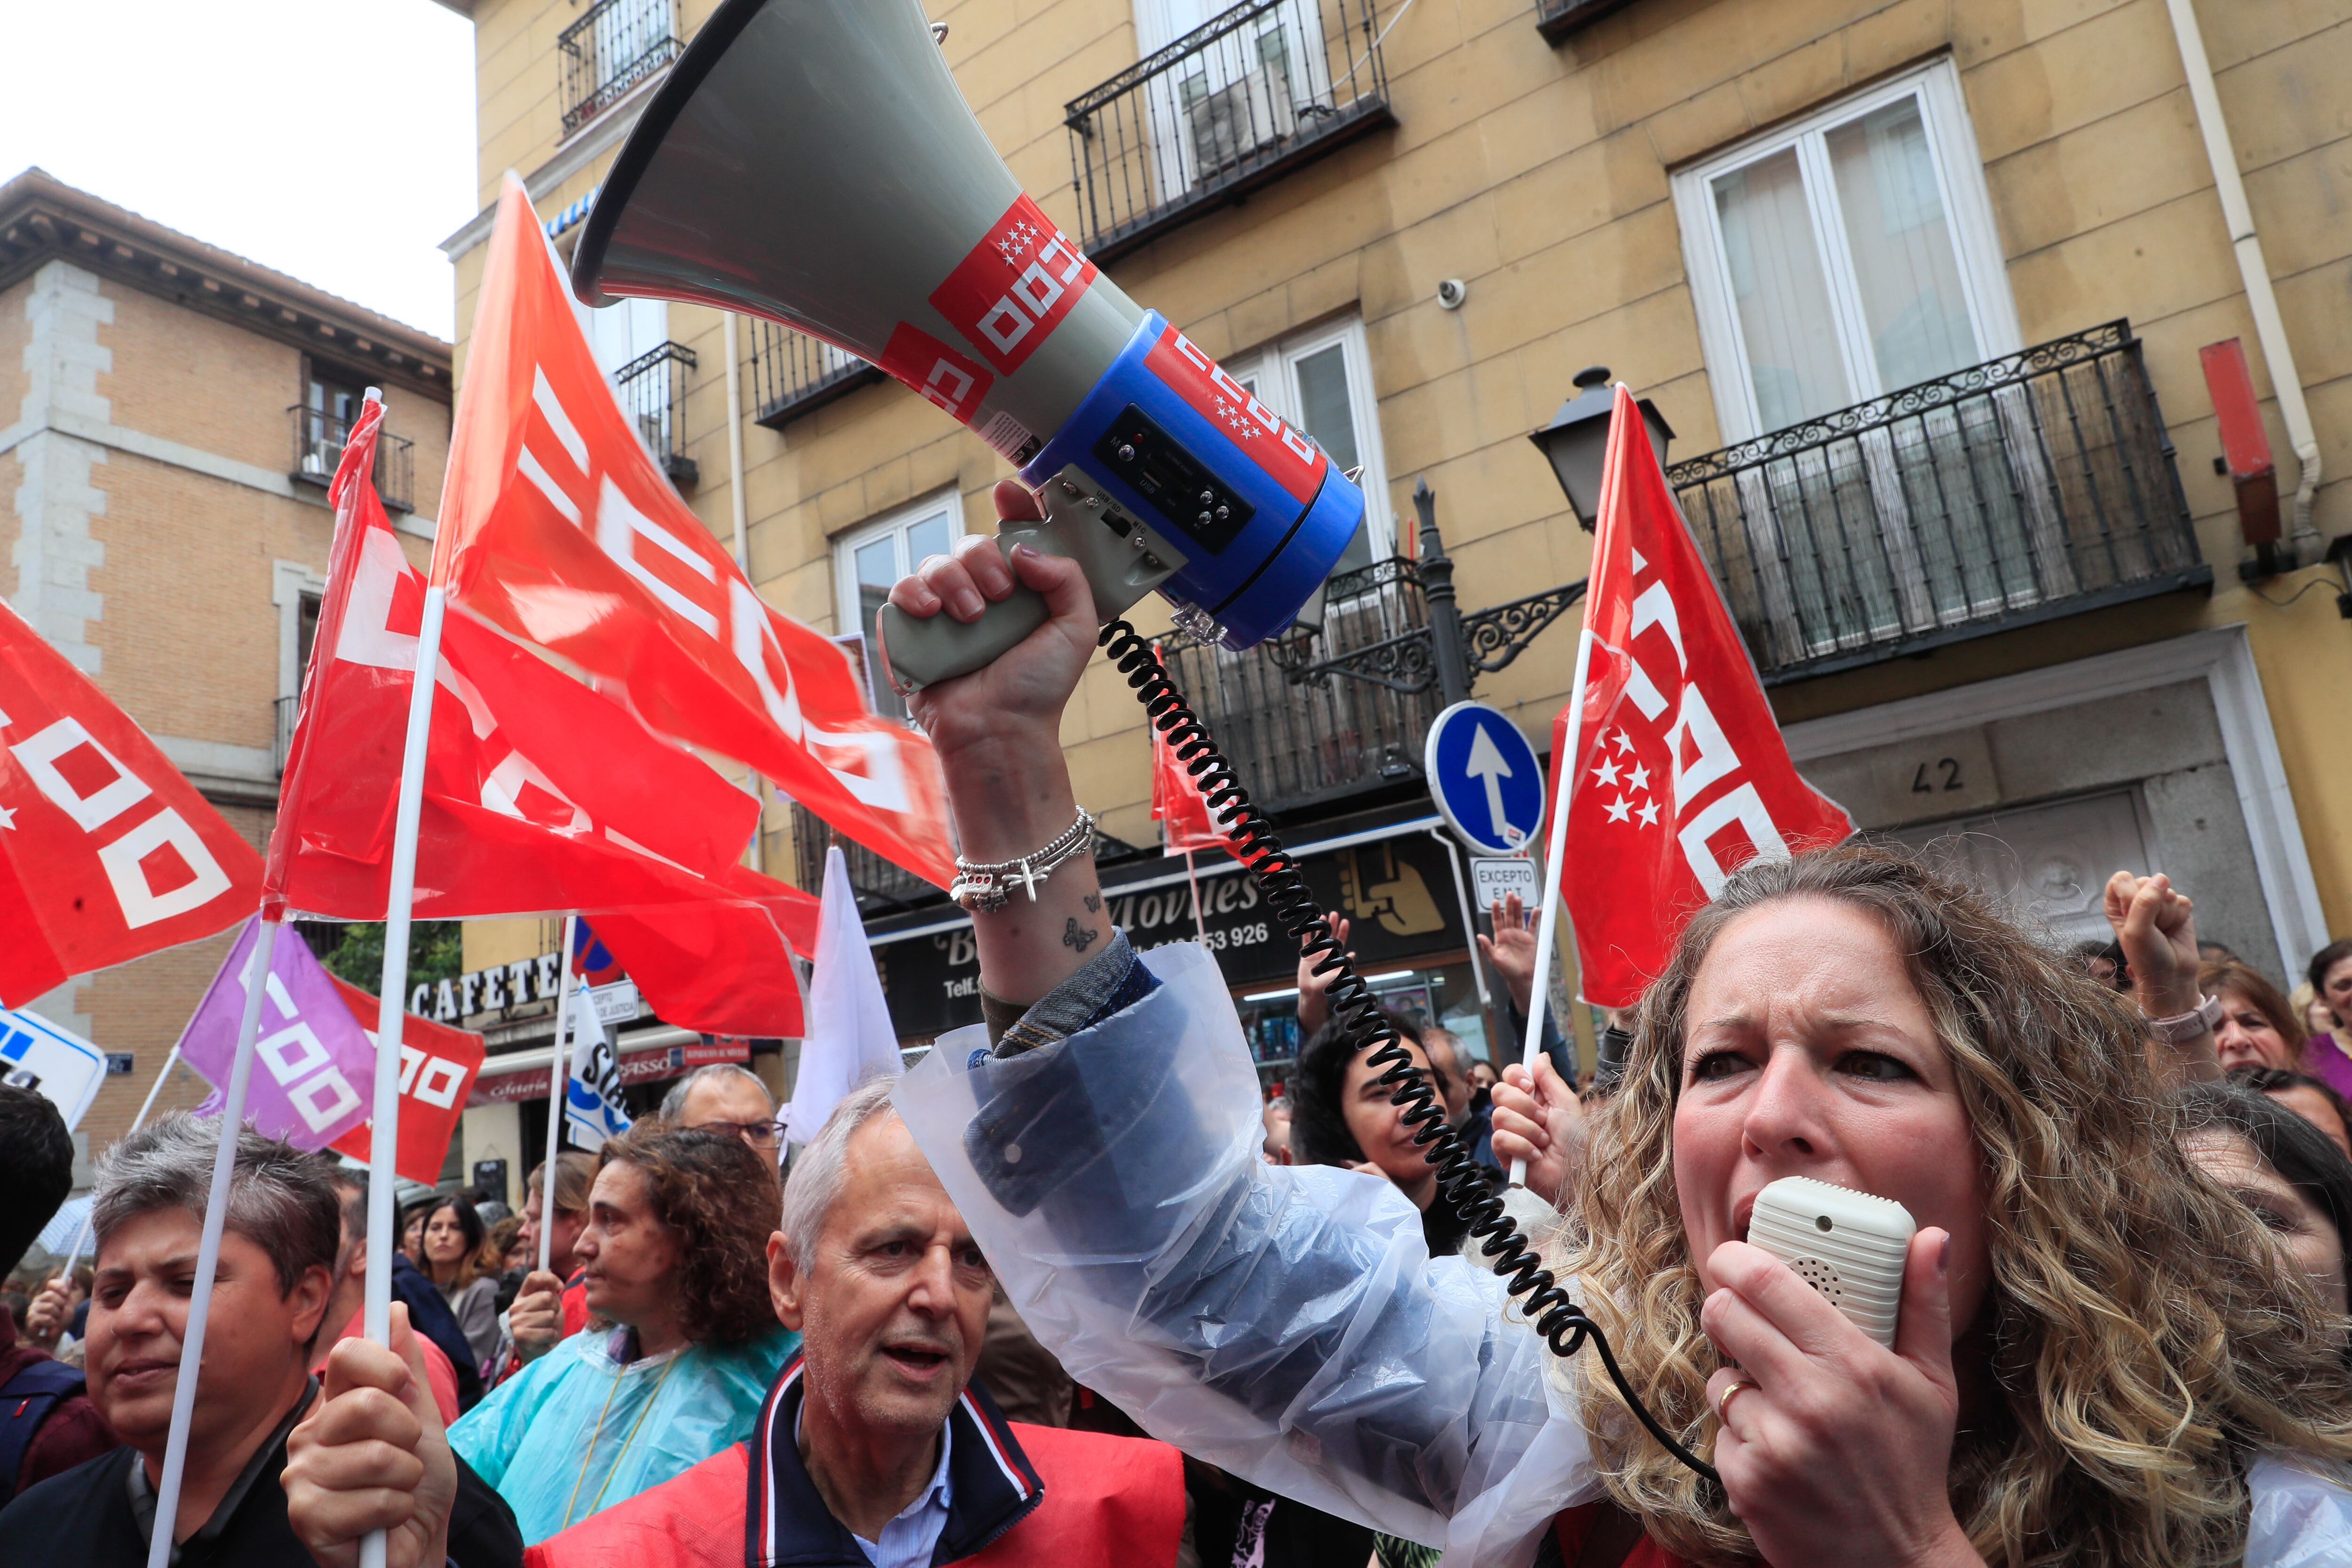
812 162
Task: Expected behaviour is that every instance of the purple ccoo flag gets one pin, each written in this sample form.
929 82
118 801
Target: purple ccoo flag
309 1055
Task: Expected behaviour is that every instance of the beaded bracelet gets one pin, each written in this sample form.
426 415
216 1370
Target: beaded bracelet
987 887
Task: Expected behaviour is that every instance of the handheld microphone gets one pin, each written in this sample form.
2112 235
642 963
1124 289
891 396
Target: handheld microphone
814 162
1848 1246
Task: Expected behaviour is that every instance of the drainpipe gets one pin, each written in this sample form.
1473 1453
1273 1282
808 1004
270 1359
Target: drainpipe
2269 330
742 558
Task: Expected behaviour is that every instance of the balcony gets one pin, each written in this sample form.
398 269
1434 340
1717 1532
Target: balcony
2037 486
288 710
318 438
1266 88
607 53
793 373
1300 739
652 395
1556 20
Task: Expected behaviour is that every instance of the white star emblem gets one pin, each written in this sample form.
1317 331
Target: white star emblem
1648 814
1618 811
7 818
1622 743
1607 772
1639 778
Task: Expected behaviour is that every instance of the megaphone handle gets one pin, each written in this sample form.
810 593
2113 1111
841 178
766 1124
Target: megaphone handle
1122 562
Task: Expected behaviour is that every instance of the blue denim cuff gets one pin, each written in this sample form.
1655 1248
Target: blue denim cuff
1111 981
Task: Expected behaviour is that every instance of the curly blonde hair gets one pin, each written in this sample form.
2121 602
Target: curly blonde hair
2138 1332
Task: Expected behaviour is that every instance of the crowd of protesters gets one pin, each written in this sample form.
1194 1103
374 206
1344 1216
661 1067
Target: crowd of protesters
1075 1292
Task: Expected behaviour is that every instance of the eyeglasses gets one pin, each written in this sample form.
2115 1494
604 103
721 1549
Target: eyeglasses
765 1135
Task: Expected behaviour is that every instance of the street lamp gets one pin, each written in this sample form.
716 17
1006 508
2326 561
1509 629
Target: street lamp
1576 440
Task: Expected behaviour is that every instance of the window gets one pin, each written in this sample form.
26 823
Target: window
619 333
1321 381
1846 257
331 403
868 560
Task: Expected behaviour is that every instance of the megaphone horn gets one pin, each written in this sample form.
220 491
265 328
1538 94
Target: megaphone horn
812 162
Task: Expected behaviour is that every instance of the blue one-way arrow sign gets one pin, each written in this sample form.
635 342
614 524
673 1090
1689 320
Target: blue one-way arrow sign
1484 778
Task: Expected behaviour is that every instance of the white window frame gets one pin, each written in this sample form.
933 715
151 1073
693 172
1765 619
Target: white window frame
1968 207
947 503
1269 372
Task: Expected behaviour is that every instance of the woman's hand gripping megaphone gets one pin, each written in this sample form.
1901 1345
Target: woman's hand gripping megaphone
1017 698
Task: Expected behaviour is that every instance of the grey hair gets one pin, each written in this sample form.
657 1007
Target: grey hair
280 1199
822 1169
673 1105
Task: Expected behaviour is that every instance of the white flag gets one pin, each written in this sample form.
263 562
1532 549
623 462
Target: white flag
592 1094
849 1035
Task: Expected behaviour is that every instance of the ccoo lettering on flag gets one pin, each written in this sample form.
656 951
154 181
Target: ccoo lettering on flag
1681 775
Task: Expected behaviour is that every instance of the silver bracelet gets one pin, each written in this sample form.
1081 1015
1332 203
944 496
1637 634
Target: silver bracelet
987 887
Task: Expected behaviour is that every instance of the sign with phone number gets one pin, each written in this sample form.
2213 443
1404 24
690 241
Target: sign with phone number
1397 893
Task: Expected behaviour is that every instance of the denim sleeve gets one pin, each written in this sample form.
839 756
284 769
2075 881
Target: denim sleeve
1111 981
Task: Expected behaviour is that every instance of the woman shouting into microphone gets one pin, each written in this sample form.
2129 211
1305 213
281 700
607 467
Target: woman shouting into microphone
2093 1361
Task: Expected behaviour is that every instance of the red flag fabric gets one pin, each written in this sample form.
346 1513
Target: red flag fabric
540 793
437 1065
1177 802
556 526
719 968
106 852
1681 774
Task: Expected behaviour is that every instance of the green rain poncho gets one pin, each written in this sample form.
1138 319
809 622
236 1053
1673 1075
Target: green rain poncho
578 1430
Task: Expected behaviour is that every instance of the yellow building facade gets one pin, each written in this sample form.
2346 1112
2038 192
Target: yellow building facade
1921 286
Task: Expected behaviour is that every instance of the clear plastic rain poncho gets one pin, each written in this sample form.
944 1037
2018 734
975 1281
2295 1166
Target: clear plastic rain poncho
577 1430
1286 1322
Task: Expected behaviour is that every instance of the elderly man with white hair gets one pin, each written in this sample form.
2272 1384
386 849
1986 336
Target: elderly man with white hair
724 1098
874 1450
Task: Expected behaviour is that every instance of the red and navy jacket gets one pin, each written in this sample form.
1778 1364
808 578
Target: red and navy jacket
1017 1494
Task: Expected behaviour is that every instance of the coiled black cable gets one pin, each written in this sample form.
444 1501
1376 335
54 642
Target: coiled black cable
1562 1324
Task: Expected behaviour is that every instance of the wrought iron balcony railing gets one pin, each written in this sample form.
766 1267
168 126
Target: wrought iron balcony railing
652 395
607 52
1240 100
288 710
2035 486
793 373
318 438
1299 737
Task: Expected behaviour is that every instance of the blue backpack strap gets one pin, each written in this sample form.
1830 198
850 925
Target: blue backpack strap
26 1402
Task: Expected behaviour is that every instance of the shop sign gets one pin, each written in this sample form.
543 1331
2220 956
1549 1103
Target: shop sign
636 1067
492 990
1398 893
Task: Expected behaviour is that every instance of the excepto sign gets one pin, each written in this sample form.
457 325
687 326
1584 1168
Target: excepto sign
1484 779
1493 878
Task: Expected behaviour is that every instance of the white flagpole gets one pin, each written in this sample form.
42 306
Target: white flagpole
1200 932
557 1071
192 1343
384 1133
1555 857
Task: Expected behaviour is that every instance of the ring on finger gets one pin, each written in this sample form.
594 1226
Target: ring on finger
1723 1400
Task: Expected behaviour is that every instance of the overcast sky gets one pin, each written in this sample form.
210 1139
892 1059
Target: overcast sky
332 140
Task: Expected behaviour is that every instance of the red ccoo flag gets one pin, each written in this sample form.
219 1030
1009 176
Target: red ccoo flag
540 793
556 526
1681 774
1186 825
106 852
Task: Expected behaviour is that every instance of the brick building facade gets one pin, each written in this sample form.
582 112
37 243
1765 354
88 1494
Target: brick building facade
174 413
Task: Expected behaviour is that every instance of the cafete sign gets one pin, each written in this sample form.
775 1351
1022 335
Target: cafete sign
1397 892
